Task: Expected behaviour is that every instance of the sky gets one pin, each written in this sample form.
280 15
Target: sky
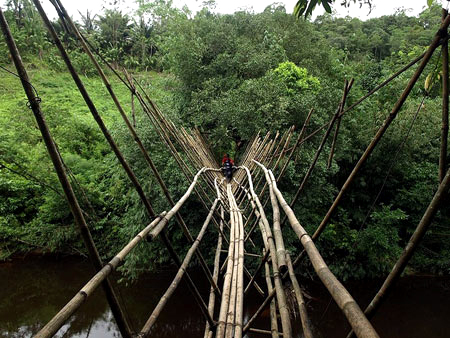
380 7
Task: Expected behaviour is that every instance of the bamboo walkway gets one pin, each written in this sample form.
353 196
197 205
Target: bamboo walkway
236 209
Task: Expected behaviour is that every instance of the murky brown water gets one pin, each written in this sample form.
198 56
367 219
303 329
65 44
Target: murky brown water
34 289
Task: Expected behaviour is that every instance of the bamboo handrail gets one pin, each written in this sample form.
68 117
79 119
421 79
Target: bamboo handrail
277 233
270 243
342 297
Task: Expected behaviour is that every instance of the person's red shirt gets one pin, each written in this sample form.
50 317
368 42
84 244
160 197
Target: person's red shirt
225 158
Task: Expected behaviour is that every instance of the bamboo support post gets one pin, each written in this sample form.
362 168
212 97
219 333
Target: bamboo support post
160 130
258 269
338 122
212 294
384 83
69 309
298 142
347 87
62 176
178 277
273 307
420 231
306 325
333 143
274 168
192 287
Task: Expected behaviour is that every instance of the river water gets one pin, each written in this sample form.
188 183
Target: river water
32 290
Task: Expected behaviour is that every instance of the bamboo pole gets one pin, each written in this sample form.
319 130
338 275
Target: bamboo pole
264 304
226 290
338 124
306 325
258 269
62 176
445 93
239 307
398 105
266 232
333 143
266 255
69 309
93 110
421 229
274 168
160 130
277 233
178 277
260 331
342 297
297 143
151 232
273 307
384 83
231 329
212 294
347 88
285 139
192 287
164 136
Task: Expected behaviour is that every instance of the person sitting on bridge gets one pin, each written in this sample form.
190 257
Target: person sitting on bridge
227 167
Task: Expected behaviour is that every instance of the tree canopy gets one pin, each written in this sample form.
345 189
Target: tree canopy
230 76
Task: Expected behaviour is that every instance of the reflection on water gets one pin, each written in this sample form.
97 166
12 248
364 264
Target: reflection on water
33 290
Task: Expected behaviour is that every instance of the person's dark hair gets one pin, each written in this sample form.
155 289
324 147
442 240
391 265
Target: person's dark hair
227 155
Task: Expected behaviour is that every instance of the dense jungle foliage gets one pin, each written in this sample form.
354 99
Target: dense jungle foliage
231 76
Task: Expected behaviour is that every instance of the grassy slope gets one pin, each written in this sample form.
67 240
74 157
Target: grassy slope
27 207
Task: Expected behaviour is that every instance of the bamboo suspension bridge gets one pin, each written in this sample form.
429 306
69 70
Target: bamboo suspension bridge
235 209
